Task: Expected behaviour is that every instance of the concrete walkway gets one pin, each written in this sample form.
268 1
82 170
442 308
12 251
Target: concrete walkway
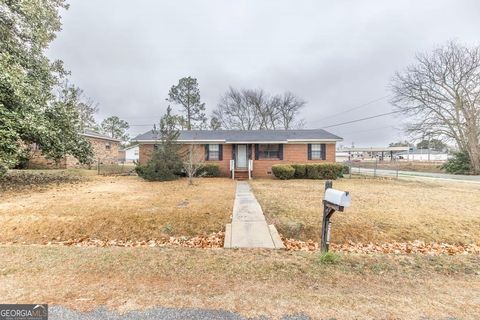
249 229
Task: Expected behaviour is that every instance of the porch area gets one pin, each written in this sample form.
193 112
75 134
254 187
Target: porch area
244 156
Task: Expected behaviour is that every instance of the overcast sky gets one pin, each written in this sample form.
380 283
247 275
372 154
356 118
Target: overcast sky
336 55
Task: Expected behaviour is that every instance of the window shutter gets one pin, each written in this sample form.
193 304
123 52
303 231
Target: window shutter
324 151
256 152
250 152
280 151
220 152
309 151
206 152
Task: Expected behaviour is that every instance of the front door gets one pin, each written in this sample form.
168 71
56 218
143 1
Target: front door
241 156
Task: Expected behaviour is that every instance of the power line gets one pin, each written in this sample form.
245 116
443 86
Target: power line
357 107
362 119
371 129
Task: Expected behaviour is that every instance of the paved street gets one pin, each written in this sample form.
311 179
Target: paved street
415 174
61 313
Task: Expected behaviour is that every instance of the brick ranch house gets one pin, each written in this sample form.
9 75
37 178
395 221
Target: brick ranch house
105 151
240 151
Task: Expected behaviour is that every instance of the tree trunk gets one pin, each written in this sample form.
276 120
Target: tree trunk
474 153
190 179
191 172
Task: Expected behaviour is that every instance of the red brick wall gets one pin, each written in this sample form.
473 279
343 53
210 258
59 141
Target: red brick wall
100 153
292 153
39 161
146 150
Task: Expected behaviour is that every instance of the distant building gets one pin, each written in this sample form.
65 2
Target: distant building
132 153
368 153
422 155
105 151
342 156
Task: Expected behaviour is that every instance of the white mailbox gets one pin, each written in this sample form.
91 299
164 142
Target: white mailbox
340 198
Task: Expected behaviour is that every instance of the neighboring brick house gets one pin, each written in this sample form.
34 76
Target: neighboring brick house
238 151
105 151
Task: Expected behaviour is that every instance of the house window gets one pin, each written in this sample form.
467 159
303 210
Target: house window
135 152
268 151
107 146
317 152
213 152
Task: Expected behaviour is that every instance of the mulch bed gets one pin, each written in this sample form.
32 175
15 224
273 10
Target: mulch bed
215 240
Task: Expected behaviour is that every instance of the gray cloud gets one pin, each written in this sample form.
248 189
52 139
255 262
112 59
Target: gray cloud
336 54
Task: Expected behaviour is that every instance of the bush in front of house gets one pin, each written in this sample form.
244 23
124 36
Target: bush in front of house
324 171
157 172
309 171
300 171
209 170
283 171
165 165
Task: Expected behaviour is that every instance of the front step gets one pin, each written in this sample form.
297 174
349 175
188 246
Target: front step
241 175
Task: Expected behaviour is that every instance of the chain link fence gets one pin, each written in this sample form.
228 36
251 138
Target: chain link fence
115 169
374 168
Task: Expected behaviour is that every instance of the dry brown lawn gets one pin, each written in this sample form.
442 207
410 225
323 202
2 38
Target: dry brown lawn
252 282
116 208
383 210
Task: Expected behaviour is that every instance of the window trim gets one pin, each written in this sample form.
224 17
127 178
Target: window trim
218 153
317 154
260 155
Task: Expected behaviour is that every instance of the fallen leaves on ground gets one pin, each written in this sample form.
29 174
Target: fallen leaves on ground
17 180
213 240
416 247
216 239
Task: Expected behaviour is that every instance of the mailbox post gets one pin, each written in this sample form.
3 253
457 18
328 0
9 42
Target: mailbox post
334 200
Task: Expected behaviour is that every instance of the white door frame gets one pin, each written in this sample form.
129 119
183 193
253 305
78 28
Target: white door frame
238 156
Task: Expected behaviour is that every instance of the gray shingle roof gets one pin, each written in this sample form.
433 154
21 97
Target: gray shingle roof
251 136
93 134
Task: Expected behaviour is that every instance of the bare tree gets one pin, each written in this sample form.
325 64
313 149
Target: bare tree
258 101
441 95
234 111
288 110
257 110
193 161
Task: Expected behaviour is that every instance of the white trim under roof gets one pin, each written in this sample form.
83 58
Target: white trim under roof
312 140
184 141
255 142
215 141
